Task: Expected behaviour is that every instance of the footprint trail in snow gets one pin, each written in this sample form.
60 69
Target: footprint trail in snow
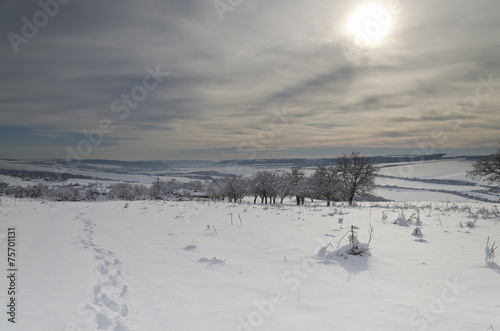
109 294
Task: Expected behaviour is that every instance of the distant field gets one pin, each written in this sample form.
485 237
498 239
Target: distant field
441 179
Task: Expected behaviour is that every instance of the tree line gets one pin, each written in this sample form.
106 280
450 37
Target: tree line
97 191
352 175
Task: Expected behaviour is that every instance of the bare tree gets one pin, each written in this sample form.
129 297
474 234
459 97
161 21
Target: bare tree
156 190
298 185
263 185
214 190
325 183
92 192
140 192
487 168
283 186
234 187
253 189
356 175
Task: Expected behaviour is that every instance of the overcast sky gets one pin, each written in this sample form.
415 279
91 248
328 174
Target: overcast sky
247 79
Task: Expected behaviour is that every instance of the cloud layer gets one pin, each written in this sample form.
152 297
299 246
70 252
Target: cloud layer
222 79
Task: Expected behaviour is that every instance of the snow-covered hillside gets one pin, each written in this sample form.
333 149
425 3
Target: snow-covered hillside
166 265
441 179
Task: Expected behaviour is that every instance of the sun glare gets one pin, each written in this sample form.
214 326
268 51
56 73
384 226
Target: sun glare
369 24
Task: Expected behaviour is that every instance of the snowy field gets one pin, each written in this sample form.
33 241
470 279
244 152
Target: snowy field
204 265
216 266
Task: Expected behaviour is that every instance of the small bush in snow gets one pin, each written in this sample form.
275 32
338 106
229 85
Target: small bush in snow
357 248
211 227
417 232
418 221
401 220
471 225
384 216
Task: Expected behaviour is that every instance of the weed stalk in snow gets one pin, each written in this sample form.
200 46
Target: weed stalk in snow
490 250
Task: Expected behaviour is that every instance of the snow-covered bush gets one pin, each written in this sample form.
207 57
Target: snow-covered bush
417 232
121 191
358 248
486 213
92 194
471 225
16 191
160 190
418 221
354 248
140 192
402 220
384 216
37 191
3 186
65 193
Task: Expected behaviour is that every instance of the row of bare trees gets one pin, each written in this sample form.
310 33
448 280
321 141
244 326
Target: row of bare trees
352 175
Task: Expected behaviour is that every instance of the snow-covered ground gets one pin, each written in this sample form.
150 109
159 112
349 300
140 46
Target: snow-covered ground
166 265
439 169
442 180
200 265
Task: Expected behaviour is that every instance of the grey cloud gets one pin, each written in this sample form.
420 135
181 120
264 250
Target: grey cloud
225 77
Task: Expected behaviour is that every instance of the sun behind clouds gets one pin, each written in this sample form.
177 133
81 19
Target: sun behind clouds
369 24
